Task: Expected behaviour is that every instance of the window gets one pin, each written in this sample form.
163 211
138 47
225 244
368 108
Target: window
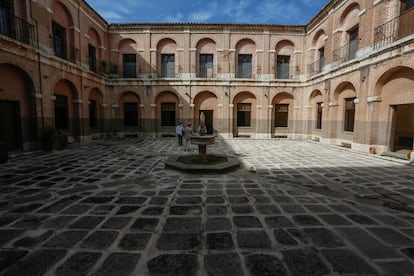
130 114
168 114
206 66
244 66
349 115
61 112
244 111
321 59
353 43
130 65
282 67
92 57
168 66
59 40
319 116
92 114
6 12
282 115
406 5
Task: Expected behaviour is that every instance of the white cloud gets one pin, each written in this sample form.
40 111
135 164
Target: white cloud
178 17
110 15
200 16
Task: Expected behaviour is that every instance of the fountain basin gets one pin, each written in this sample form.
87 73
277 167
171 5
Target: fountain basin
203 140
213 163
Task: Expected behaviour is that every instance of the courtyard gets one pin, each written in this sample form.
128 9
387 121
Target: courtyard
111 207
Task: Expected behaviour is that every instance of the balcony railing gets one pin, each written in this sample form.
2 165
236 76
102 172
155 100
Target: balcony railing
17 28
316 67
206 72
395 29
346 52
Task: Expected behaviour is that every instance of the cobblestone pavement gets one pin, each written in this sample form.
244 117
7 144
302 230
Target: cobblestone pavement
111 207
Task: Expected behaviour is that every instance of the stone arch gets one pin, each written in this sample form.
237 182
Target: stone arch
393 80
129 111
244 114
95 111
167 50
62 18
207 102
245 58
128 46
316 107
319 39
282 113
285 59
350 16
170 101
205 64
17 108
344 89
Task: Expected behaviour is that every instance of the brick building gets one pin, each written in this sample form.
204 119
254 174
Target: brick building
346 78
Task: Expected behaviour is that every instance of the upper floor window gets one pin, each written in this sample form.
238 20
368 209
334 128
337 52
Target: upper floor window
353 42
92 57
59 40
244 114
349 114
168 66
282 115
206 66
282 67
244 66
406 5
129 65
321 59
5 16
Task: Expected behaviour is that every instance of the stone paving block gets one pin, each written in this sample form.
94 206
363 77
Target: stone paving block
268 209
219 241
30 222
391 220
87 222
33 238
77 209
283 199
173 264
299 235
342 208
158 200
98 200
190 192
102 209
192 186
261 199
334 219
216 210
127 209
247 222
371 246
183 225
218 224
235 192
242 209
238 199
9 257
346 261
214 200
118 264
306 220
59 205
265 265
116 222
304 262
409 252
80 263
144 224
58 222
228 264
323 237
188 200
134 241
179 241
253 239
8 235
404 268
315 208
361 219
37 262
133 200
390 236
185 210
284 238
293 209
278 222
152 211
99 240
66 239
5 220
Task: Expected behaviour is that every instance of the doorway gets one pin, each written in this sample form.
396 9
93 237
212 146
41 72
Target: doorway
402 134
209 120
10 124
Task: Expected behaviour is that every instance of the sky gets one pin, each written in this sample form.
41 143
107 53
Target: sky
291 12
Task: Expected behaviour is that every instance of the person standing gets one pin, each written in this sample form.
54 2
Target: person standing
179 131
188 132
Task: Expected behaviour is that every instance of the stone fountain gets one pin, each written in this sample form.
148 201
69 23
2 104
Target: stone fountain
202 161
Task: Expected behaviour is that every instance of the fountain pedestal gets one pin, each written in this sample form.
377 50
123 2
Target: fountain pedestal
202 142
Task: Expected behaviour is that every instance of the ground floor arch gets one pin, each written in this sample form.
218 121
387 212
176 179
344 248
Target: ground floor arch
18 117
244 115
207 103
